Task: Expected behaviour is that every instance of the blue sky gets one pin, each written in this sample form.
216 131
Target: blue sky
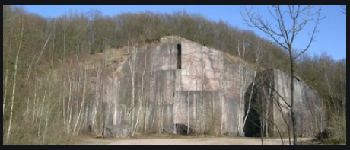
330 40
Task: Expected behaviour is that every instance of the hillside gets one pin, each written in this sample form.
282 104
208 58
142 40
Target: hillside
53 68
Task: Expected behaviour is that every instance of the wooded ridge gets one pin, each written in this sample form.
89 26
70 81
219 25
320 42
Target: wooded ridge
51 67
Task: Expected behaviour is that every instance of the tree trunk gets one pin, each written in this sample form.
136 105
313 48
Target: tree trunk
82 103
188 113
5 85
143 99
69 105
34 108
222 78
249 102
41 113
46 123
132 71
14 82
261 123
292 94
63 105
37 60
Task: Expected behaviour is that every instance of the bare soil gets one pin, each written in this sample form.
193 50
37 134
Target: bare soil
185 140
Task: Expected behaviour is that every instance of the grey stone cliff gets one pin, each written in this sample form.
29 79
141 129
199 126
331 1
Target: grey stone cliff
176 82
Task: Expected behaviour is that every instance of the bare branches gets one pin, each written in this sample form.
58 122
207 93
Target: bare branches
281 23
82 103
255 20
313 34
20 40
276 92
297 23
285 35
37 60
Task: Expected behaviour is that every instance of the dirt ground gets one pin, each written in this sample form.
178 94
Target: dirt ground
187 140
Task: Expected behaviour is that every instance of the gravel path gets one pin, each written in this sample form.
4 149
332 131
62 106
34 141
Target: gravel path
185 141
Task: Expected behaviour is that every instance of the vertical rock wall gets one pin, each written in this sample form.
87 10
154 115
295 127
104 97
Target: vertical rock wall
273 92
208 94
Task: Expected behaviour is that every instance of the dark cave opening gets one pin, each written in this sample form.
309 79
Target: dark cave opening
181 129
178 56
252 126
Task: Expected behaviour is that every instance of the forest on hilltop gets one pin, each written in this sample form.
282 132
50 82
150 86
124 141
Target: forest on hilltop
34 46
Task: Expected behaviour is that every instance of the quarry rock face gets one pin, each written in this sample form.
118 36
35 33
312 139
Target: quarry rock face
174 84
270 94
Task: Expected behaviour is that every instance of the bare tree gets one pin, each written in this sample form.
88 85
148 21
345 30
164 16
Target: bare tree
288 23
69 105
82 103
41 113
5 85
38 58
242 80
20 39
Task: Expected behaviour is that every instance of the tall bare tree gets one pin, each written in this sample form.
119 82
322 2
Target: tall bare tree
82 103
20 39
283 28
